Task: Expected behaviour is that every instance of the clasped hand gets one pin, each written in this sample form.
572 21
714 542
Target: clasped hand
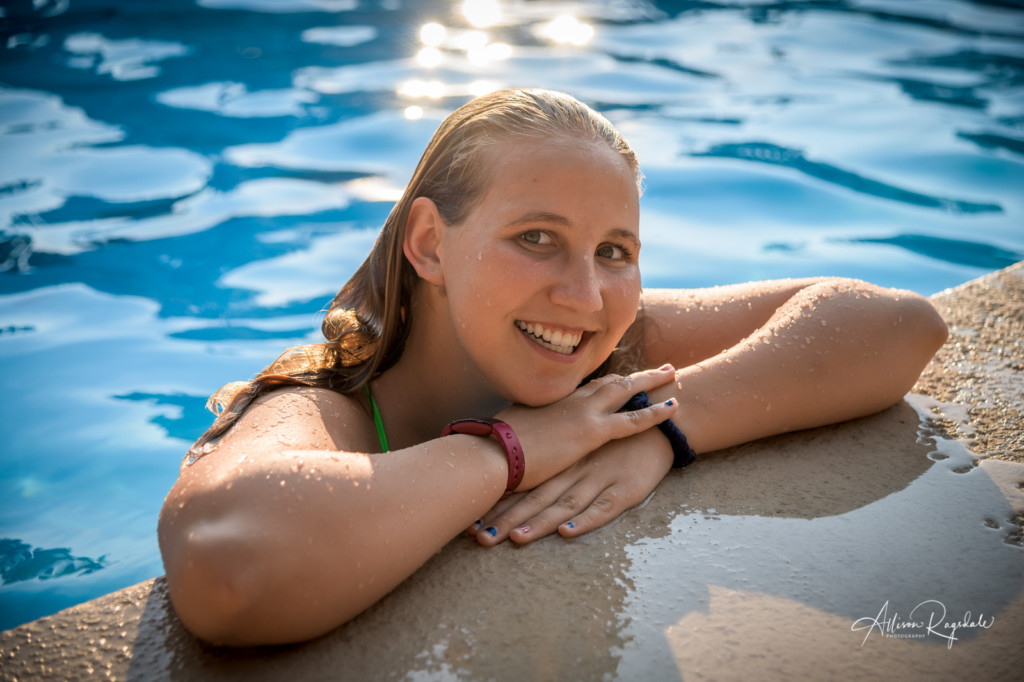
586 462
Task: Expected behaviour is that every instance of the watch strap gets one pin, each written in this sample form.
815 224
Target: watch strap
503 433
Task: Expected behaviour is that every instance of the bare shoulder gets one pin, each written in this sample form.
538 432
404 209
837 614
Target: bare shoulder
301 418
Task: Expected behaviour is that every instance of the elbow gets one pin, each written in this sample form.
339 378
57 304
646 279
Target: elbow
921 332
927 328
211 585
938 330
235 576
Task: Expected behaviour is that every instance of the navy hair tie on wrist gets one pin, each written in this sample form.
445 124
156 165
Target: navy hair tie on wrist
682 453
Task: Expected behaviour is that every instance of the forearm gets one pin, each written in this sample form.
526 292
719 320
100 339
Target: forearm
835 350
287 548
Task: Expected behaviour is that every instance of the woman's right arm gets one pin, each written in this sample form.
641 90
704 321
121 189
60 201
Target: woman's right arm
286 530
263 543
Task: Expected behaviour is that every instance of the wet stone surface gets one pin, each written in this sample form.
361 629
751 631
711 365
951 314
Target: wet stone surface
978 375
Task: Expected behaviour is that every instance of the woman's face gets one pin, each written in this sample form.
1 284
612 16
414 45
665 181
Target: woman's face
542 277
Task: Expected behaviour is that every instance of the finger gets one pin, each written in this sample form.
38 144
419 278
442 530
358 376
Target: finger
618 386
567 507
499 508
651 379
496 527
591 387
614 391
624 424
605 508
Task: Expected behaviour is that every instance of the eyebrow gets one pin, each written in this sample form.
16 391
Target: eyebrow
556 219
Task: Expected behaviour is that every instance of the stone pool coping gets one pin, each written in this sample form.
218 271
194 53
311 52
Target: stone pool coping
447 621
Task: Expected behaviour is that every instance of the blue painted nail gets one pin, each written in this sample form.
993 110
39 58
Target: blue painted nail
492 530
670 402
478 523
570 525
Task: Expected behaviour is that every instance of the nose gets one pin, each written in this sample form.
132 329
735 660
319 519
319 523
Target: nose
578 286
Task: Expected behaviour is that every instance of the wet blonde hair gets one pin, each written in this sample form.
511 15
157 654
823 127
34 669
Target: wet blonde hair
368 321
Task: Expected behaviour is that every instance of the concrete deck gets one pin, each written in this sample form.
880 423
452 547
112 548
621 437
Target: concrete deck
824 554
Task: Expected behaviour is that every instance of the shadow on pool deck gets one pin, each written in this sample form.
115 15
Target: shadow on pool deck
779 559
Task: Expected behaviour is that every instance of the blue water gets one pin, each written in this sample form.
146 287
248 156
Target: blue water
184 185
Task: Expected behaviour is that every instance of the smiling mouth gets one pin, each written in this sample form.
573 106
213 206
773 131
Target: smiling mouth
559 341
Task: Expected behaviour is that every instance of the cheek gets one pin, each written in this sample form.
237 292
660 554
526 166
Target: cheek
479 288
622 301
499 277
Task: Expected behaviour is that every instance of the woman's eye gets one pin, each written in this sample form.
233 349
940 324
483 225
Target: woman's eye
536 237
612 252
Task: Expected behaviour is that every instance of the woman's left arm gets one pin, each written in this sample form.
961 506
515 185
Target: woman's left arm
757 359
794 354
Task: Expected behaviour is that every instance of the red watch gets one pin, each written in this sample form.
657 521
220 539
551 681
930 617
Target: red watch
479 426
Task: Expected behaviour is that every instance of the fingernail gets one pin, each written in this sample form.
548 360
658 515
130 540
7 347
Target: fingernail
492 530
666 367
523 529
670 402
570 524
478 523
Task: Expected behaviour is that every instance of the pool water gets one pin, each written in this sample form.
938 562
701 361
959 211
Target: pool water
184 185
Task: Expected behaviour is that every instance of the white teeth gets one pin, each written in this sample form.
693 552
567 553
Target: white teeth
557 340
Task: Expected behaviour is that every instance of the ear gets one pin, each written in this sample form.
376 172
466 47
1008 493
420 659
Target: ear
422 246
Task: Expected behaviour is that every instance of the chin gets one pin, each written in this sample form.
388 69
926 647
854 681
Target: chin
540 396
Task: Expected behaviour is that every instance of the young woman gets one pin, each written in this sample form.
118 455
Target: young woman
505 279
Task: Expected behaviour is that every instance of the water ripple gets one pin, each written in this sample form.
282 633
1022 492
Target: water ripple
767 153
962 251
19 561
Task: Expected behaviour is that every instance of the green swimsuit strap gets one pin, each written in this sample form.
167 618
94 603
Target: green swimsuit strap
381 435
